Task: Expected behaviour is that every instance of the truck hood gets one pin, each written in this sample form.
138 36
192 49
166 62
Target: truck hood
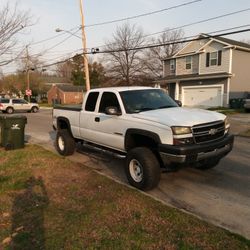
180 116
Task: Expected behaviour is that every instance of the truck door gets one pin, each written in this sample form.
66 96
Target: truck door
103 129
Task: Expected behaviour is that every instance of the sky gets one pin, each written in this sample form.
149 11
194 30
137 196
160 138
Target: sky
49 15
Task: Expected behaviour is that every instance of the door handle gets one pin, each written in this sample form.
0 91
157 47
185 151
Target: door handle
97 119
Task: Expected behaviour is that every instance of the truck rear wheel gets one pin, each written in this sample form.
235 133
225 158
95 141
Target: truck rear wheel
65 143
142 168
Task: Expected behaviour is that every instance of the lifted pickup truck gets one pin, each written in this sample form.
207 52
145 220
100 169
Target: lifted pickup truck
145 126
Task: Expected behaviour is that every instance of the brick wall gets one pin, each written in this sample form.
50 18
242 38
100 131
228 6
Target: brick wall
55 95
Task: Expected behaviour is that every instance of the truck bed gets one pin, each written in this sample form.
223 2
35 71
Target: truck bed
72 107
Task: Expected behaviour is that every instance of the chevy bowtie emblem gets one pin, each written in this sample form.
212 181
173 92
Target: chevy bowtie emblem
213 131
15 126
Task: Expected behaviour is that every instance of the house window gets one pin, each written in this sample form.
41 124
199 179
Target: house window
172 66
188 62
213 58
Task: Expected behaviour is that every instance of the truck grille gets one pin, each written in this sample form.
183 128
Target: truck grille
208 132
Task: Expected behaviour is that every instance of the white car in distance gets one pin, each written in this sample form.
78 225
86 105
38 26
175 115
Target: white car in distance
9 105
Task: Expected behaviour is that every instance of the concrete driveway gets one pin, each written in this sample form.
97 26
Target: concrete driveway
220 195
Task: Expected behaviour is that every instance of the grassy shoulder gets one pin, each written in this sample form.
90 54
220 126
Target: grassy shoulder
48 202
227 111
45 105
245 133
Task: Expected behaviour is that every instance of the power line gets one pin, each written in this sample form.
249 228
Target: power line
213 32
56 36
152 34
172 43
185 40
113 21
142 15
54 46
201 21
186 25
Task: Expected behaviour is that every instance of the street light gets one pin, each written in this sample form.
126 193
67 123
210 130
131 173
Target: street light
67 31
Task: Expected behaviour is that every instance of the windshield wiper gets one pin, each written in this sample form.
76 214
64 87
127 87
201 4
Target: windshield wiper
143 109
166 106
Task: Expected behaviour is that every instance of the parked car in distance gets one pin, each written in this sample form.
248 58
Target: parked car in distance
247 103
9 106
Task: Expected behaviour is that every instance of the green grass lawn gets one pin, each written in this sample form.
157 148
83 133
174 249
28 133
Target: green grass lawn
227 111
46 105
48 202
245 133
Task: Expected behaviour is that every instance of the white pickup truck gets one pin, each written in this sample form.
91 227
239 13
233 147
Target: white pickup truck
145 126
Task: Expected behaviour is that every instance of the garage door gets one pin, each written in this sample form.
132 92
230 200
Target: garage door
202 97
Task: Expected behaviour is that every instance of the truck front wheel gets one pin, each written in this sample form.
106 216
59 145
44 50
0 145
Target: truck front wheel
142 168
65 143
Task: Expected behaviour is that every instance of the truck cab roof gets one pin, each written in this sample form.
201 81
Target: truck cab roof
120 89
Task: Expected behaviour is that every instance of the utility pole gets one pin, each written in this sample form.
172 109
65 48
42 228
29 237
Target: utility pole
27 72
84 44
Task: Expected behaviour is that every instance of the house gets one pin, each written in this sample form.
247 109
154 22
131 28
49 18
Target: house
208 72
65 94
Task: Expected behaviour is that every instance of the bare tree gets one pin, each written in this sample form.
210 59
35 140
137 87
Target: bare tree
125 64
64 70
12 21
154 56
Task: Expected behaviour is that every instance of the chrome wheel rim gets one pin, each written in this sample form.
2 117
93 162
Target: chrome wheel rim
61 143
136 171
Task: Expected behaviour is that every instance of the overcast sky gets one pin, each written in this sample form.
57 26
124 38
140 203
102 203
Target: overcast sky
65 14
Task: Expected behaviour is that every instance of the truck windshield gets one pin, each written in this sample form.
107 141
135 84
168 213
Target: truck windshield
136 101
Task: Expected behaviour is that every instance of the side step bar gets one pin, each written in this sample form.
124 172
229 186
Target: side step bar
104 150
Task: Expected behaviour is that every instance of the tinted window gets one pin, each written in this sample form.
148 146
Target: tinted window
91 101
19 101
136 101
23 101
109 99
16 101
4 100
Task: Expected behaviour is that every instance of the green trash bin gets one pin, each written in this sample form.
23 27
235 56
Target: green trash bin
12 131
233 103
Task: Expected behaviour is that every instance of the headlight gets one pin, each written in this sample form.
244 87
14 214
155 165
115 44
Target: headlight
227 124
181 130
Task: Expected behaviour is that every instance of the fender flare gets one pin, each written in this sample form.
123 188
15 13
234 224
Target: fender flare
66 120
153 136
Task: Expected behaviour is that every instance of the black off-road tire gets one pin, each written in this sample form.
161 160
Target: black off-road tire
65 143
149 164
34 109
9 110
208 164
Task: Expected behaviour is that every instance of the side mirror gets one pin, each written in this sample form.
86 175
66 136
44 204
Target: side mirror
179 103
112 111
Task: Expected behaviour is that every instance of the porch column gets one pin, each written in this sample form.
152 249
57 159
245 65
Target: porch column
228 91
177 89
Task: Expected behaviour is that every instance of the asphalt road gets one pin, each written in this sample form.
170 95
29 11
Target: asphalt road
220 195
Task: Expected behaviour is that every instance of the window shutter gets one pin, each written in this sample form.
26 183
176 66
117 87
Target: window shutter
207 59
219 57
